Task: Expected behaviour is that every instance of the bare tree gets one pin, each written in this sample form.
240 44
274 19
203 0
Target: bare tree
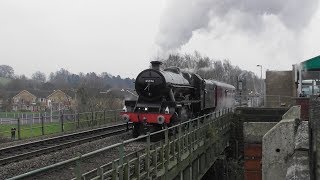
212 69
60 78
6 71
39 77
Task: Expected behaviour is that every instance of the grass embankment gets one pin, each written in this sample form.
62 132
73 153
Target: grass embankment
27 131
36 129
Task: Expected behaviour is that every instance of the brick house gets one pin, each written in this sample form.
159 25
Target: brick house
24 100
35 100
59 100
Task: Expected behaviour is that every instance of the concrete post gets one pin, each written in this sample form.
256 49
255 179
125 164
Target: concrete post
92 118
42 124
78 120
115 116
19 128
61 120
314 133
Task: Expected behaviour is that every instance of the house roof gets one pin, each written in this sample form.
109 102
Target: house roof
56 91
38 93
25 92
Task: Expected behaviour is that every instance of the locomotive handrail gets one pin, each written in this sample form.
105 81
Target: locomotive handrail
215 114
182 86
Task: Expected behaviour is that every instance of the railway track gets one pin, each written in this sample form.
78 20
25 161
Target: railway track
28 150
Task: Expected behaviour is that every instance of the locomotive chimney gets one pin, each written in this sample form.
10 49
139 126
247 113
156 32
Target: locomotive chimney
156 65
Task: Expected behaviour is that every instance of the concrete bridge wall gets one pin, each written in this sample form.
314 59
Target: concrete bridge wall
251 125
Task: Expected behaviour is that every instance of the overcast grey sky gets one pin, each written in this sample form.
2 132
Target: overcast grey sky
121 36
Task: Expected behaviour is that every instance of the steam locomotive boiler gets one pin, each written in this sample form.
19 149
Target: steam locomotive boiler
170 96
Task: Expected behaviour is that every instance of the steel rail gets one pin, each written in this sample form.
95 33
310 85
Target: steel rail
22 151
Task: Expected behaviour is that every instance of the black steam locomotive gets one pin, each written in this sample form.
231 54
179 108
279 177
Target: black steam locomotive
170 96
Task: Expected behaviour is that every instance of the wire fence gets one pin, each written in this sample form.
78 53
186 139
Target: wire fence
31 125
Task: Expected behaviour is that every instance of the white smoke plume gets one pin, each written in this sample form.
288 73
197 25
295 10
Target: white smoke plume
182 18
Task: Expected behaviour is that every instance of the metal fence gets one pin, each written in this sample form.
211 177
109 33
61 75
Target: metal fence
31 125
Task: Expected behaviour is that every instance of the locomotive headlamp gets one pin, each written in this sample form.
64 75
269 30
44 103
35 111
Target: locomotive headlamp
125 117
160 119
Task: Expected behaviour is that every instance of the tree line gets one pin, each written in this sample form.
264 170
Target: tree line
85 86
221 70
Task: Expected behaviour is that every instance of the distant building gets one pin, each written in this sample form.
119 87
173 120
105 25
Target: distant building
41 100
307 75
280 88
24 100
59 100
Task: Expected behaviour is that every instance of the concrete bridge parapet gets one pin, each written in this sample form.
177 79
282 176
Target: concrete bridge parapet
285 149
